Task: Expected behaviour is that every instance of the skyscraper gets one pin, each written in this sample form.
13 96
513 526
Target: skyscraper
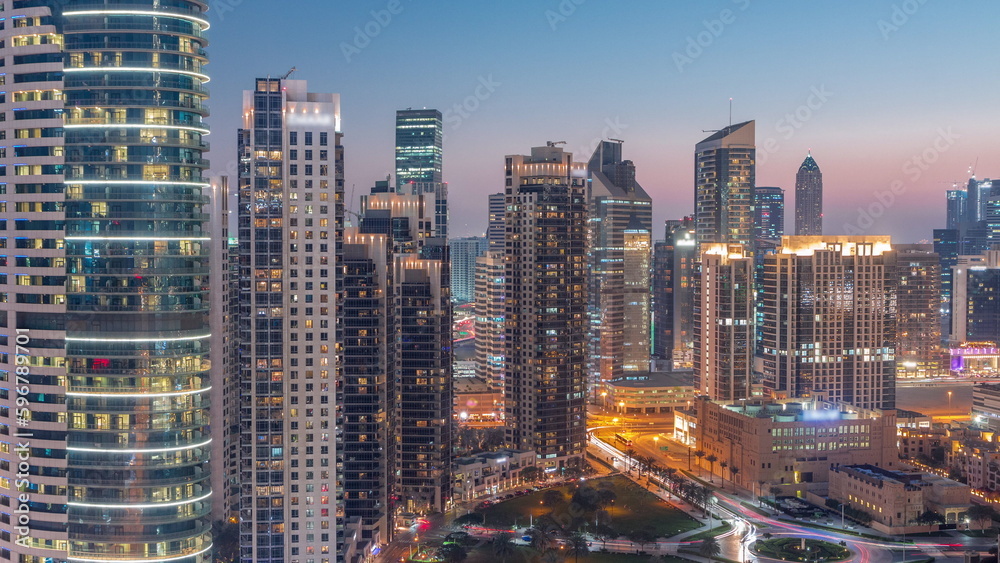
724 323
769 213
290 231
490 318
809 198
620 219
675 268
975 314
958 204
107 316
463 252
546 305
914 271
725 167
494 232
419 155
829 320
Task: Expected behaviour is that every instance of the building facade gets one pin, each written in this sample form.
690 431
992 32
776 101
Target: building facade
490 473
420 159
809 199
675 268
464 252
829 320
769 213
490 311
915 276
724 323
725 168
975 316
495 224
649 393
546 305
290 222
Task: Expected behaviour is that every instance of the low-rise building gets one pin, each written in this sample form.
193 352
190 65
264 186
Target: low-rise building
986 406
788 443
650 392
489 473
896 499
924 445
477 403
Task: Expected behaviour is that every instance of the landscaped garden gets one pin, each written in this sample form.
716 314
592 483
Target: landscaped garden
790 549
612 502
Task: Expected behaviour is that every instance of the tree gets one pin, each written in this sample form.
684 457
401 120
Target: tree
453 553
775 491
642 536
472 518
605 497
553 497
531 474
577 546
604 533
699 454
709 548
630 455
733 471
980 513
711 465
722 472
929 517
767 535
539 539
503 545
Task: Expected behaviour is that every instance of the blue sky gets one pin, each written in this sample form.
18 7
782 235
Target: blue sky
896 99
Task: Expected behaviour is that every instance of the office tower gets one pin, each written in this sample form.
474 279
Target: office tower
829 326
979 191
224 264
976 290
914 271
490 318
809 199
494 232
419 138
724 184
957 211
675 262
724 328
620 222
947 245
991 217
290 221
106 309
545 322
769 213
463 252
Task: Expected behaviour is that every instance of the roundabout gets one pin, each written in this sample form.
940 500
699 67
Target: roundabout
800 549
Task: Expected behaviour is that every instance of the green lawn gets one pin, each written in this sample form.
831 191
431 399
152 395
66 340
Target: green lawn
789 549
634 508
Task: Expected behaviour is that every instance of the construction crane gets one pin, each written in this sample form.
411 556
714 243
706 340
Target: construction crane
619 141
554 143
289 73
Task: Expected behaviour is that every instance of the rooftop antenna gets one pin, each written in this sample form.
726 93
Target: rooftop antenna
730 112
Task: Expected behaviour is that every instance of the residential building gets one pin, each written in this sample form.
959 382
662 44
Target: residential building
106 277
620 221
829 320
495 225
464 252
788 443
914 272
419 161
725 167
724 323
986 406
490 473
489 324
477 403
895 499
675 269
769 213
957 210
947 245
809 198
545 294
290 227
975 295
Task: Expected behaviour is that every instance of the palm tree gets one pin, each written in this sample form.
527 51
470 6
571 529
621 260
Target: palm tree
699 454
709 548
722 472
453 553
539 539
503 545
577 546
630 454
775 491
733 471
760 489
711 464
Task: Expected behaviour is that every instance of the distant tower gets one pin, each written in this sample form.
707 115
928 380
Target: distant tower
419 155
495 230
724 183
809 198
769 213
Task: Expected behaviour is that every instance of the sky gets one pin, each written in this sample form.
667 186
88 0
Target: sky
896 99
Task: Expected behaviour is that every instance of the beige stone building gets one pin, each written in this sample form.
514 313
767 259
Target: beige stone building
791 444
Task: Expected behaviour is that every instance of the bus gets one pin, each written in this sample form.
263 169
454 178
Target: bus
623 440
